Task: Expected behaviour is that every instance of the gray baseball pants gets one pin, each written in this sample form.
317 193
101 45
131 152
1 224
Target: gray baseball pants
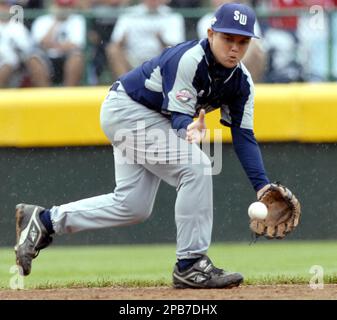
144 155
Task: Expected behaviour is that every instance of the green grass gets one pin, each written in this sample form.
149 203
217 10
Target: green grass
266 262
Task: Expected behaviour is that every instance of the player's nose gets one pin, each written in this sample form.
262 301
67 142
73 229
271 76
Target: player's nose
235 47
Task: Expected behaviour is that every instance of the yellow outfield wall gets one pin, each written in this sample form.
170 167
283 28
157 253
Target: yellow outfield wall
70 116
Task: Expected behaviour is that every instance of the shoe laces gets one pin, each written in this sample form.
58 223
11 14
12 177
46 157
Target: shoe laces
217 271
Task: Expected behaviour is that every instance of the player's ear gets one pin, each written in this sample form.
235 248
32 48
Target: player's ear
210 34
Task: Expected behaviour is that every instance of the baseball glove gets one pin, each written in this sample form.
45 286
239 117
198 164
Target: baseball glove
284 211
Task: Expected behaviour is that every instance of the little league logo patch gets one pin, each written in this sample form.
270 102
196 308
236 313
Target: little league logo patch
184 95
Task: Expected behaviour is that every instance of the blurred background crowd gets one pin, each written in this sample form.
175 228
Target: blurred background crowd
92 42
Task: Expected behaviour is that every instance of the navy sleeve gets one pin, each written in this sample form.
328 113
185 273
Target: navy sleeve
249 154
180 121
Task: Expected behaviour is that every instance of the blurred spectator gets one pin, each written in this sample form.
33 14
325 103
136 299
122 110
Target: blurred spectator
281 42
313 35
190 22
143 32
18 55
255 58
298 44
99 35
288 22
284 63
62 35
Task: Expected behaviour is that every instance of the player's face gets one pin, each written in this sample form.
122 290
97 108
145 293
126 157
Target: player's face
228 49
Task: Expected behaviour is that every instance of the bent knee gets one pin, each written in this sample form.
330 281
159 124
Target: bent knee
138 210
139 214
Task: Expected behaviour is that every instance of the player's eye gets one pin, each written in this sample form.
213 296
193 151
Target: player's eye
244 42
228 39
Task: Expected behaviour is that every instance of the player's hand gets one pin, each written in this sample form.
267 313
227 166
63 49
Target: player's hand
196 130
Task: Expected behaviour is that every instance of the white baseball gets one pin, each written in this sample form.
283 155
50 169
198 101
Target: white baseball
257 210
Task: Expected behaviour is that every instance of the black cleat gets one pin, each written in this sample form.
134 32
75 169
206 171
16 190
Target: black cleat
31 236
204 275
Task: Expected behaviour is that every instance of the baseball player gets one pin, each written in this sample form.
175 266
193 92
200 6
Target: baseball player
172 91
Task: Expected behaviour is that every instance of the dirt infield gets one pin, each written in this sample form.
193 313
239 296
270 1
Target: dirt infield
249 292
